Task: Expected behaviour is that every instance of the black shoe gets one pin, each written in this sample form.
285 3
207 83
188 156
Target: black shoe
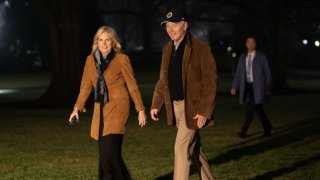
267 134
242 135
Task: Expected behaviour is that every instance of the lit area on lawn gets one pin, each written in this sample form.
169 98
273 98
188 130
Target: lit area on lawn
8 91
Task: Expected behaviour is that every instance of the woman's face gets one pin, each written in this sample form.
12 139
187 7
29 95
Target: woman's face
105 43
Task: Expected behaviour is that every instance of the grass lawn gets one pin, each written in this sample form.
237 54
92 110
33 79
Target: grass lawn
38 143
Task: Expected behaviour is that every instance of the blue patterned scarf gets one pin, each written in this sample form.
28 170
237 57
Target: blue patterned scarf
101 90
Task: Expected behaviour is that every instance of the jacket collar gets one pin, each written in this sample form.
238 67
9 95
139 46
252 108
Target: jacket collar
186 58
188 38
98 56
186 55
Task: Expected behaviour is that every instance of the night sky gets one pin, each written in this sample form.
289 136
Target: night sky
26 43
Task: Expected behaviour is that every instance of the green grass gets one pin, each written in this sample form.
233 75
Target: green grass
38 143
29 86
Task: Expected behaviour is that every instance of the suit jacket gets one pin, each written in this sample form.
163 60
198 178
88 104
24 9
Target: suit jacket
120 81
199 76
262 78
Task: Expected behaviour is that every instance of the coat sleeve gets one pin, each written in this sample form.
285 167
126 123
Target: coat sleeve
237 75
158 94
131 82
267 72
85 87
209 83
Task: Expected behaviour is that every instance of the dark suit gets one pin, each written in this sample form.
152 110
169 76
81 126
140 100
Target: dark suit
254 94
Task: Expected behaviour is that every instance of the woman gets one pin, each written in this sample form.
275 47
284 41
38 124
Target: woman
110 73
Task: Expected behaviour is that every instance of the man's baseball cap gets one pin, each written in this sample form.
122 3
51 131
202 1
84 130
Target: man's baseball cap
174 15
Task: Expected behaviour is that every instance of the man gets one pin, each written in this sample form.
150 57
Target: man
253 81
187 86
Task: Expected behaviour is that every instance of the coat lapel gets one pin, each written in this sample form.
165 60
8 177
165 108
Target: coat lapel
255 63
111 62
167 57
186 60
244 65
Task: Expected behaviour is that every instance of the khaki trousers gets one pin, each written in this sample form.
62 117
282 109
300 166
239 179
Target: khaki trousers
187 148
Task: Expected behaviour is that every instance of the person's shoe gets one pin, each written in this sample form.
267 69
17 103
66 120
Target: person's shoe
267 134
242 135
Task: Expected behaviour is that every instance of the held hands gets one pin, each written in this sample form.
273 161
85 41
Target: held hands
142 118
154 114
201 120
75 113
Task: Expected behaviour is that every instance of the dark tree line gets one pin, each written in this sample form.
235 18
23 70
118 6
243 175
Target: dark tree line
72 24
69 23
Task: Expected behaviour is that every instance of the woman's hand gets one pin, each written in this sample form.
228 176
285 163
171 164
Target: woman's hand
75 113
142 118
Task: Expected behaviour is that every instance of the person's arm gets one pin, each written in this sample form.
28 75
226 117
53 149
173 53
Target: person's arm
209 84
267 72
131 82
236 80
158 94
85 88
158 97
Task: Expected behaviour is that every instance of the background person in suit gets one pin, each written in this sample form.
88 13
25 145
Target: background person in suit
253 81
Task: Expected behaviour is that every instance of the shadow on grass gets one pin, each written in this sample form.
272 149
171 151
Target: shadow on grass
293 133
293 167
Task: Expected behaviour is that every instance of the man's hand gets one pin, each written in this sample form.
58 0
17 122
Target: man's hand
201 120
233 92
154 114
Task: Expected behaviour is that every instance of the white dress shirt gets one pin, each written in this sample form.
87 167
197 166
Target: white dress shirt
249 60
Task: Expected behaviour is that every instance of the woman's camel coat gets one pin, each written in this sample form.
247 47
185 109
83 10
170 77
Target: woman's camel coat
120 81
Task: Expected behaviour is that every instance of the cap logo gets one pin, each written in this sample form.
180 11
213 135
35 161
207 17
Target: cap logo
169 15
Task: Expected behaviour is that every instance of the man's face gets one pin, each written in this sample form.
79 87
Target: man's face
176 30
251 44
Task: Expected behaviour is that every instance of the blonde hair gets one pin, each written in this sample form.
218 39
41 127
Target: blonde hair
111 31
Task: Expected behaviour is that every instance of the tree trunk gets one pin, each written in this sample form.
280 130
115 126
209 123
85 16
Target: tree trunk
277 65
147 29
64 22
277 57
